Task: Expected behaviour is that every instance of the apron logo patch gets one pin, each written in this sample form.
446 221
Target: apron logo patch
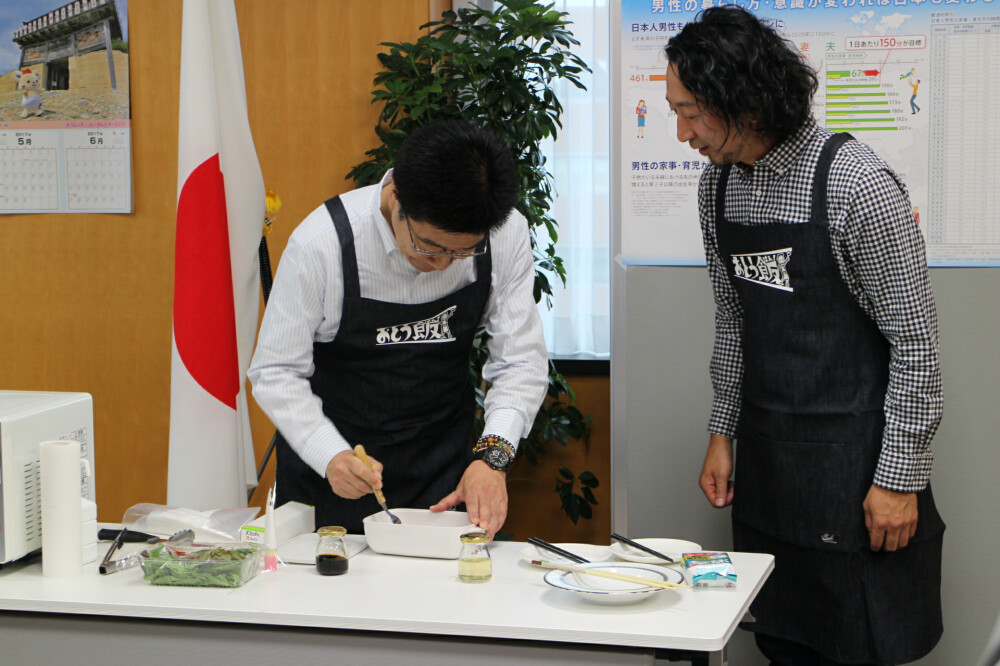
765 268
830 538
433 329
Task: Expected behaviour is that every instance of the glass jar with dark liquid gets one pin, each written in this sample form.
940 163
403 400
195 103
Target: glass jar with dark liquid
331 551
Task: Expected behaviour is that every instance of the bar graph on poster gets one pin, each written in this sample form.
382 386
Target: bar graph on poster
917 80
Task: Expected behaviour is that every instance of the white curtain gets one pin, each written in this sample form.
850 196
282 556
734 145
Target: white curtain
579 324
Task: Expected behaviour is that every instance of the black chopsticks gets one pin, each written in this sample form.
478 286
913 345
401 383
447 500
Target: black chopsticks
572 557
645 549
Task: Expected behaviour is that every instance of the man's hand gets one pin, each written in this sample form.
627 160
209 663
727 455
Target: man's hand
349 478
484 491
891 518
714 480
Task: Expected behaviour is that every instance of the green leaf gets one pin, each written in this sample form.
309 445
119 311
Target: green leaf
496 67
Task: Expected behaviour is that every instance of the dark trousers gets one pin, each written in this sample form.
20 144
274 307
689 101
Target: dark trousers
786 653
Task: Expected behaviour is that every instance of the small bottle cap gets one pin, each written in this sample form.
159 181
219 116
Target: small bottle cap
331 531
475 537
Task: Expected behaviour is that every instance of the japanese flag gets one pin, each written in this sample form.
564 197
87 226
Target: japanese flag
220 215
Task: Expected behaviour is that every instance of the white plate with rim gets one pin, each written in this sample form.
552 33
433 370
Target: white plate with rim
672 548
608 592
585 550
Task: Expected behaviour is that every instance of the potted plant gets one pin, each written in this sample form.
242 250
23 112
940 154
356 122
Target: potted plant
496 68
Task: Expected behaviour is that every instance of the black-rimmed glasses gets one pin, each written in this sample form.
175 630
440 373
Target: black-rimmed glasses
478 250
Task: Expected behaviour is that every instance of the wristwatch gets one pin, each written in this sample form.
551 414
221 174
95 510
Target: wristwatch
496 457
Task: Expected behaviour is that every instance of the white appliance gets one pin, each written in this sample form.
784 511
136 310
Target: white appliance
28 418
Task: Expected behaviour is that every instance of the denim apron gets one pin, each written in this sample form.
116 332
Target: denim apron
396 379
810 432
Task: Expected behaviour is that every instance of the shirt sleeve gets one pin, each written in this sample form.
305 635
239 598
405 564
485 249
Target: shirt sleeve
517 365
301 298
883 251
726 366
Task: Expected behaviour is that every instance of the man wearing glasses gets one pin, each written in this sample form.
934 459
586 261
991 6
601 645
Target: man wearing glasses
368 330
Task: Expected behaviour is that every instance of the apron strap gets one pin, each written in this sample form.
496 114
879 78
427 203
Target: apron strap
822 175
349 259
720 193
484 267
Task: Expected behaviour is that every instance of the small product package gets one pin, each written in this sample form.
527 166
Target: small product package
709 569
290 520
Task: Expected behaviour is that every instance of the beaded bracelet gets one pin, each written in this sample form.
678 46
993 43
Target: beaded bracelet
486 441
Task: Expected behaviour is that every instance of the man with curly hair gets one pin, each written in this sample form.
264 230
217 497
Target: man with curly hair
825 367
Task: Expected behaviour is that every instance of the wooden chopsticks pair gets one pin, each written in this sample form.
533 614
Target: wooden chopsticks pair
638 580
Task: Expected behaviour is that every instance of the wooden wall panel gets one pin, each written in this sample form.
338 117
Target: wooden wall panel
86 300
309 71
534 507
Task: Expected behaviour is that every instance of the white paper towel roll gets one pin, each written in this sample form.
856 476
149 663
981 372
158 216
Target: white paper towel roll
60 475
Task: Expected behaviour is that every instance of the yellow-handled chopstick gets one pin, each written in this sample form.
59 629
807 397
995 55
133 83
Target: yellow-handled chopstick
638 580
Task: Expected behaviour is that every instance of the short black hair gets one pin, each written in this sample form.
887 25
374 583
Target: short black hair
735 64
457 177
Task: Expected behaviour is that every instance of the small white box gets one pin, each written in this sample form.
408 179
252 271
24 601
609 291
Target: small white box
88 532
88 510
290 520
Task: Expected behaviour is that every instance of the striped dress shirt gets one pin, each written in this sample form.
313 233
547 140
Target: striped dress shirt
305 307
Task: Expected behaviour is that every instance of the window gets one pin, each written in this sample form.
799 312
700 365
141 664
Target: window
578 326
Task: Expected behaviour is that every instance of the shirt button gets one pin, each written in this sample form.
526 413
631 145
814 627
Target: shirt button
758 193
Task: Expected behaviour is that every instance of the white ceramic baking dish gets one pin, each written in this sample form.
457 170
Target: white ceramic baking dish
421 534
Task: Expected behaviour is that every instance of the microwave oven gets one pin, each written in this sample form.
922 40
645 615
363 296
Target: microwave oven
28 418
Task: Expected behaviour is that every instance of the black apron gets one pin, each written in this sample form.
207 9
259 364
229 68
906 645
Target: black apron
810 433
396 378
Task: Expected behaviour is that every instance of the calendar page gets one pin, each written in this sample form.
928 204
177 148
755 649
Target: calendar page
65 125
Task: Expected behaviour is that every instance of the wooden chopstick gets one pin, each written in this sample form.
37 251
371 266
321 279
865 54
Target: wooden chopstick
639 580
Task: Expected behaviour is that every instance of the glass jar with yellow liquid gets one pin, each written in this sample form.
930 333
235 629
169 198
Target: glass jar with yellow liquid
474 563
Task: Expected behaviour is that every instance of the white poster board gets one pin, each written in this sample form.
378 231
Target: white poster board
917 80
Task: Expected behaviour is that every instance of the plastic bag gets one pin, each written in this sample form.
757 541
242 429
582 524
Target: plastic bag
162 520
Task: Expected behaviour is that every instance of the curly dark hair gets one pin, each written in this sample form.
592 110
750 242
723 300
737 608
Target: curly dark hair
456 176
735 64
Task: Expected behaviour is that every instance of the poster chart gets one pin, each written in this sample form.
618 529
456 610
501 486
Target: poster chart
917 80
65 126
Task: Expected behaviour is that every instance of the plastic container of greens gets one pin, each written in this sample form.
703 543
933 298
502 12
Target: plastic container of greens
201 565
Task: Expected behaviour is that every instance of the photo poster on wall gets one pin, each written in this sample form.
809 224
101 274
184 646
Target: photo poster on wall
65 122
917 80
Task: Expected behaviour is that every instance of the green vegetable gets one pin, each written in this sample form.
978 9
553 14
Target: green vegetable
206 567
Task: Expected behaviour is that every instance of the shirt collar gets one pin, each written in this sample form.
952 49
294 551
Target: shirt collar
783 156
382 225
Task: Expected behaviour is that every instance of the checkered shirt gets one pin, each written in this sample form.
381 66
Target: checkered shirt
881 256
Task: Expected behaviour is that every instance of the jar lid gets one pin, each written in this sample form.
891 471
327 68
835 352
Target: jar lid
475 537
331 531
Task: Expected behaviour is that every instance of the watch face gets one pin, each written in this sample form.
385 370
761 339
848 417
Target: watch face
497 458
